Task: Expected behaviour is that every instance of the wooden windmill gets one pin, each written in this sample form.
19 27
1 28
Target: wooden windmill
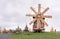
38 18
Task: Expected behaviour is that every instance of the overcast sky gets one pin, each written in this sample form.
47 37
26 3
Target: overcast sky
12 13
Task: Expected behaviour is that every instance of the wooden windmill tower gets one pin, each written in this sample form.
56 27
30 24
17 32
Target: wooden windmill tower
38 18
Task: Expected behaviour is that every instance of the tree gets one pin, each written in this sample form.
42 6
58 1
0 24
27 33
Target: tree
4 30
18 30
26 29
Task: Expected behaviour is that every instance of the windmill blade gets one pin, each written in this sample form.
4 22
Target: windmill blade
33 10
35 28
38 23
32 21
47 16
44 22
30 15
39 28
45 10
39 8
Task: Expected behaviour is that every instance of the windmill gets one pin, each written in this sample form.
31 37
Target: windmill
38 18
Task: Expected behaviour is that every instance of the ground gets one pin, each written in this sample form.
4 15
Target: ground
5 36
46 35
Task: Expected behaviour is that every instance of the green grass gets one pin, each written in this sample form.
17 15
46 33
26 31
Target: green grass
45 35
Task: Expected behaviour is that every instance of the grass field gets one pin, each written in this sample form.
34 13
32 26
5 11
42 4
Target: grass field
45 35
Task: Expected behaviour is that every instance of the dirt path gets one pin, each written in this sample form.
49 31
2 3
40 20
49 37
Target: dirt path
5 36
